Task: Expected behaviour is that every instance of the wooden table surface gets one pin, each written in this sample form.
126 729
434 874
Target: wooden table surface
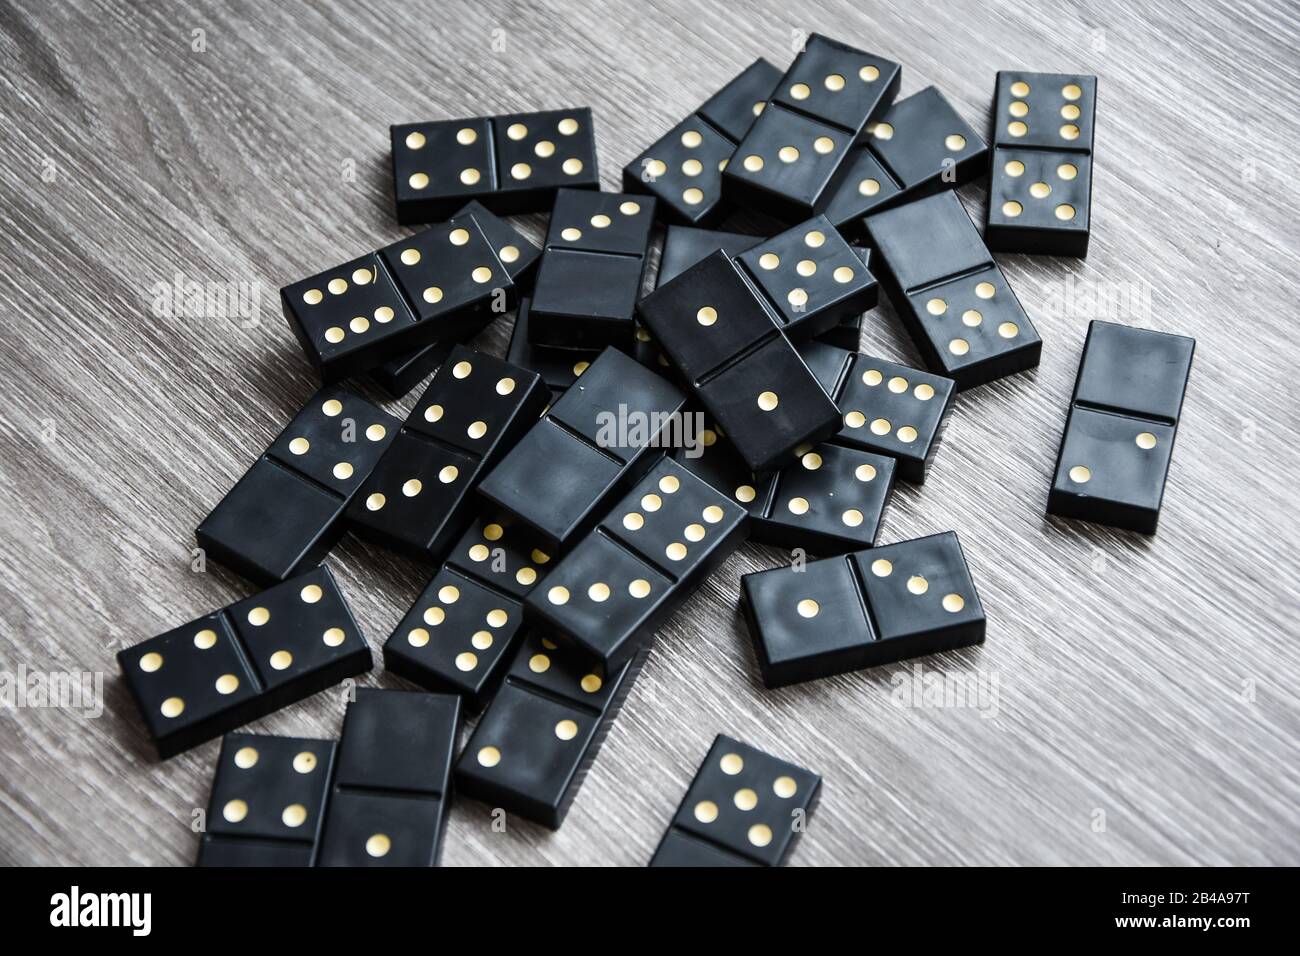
1143 702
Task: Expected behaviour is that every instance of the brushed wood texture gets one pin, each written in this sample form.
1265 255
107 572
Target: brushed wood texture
1147 707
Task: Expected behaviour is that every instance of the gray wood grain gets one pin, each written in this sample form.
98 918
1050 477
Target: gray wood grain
1152 680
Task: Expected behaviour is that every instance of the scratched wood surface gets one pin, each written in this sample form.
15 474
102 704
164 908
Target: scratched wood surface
1145 706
